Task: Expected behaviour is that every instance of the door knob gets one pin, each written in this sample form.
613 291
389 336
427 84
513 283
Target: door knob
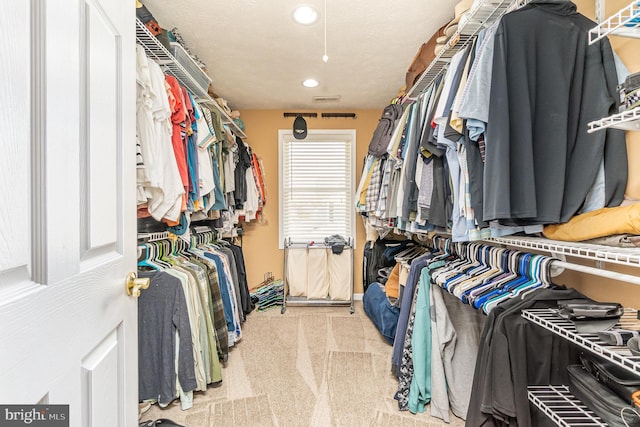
134 285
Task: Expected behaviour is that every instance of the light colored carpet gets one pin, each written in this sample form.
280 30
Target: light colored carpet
312 366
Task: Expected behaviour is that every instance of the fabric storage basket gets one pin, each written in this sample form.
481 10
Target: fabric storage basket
190 65
318 273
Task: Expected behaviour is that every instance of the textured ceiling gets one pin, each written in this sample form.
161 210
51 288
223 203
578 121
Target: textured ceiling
257 56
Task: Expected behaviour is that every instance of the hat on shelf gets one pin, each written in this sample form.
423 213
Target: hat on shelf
459 10
451 29
223 104
440 42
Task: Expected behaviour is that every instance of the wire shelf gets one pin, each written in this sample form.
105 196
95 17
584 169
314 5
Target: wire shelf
156 51
155 236
625 23
623 256
627 120
562 407
620 355
481 15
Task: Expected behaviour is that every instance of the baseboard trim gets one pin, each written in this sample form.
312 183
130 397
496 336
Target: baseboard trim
357 297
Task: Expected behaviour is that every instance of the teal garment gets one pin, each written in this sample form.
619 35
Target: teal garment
420 390
220 203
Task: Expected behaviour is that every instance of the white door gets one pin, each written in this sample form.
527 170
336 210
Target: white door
68 332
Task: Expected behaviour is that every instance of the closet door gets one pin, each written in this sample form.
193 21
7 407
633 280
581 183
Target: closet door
68 331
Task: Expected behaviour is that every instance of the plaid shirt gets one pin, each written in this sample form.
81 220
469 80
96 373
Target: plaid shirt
217 309
381 205
373 191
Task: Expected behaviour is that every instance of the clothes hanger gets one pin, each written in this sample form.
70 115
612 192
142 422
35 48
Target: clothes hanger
446 252
165 248
512 290
144 257
498 289
535 273
504 291
512 273
490 265
441 273
152 260
473 255
168 252
182 248
451 259
471 260
495 266
404 252
504 271
214 244
410 254
484 254
545 277
216 240
158 254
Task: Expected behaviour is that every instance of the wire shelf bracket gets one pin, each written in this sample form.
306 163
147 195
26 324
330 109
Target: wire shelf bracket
627 120
625 22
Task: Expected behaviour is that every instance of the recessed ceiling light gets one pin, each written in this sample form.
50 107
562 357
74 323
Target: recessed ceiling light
310 83
305 15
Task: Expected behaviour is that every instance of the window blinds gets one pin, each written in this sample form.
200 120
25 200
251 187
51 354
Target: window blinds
316 187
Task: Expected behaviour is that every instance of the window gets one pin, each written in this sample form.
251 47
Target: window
316 179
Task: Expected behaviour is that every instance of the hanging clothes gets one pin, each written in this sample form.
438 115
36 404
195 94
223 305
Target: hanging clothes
541 162
162 318
179 131
501 377
161 182
482 180
244 162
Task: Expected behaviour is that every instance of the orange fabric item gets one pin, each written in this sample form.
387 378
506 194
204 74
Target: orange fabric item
189 119
392 287
170 223
598 223
256 168
143 212
178 120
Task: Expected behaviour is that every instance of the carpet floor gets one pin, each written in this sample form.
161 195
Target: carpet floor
312 366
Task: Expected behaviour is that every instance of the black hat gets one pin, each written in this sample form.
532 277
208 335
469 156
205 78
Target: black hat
299 128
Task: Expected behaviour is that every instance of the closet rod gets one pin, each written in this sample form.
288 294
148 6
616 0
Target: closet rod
598 272
622 277
314 245
320 243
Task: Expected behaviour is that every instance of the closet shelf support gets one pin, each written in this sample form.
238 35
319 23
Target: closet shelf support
597 272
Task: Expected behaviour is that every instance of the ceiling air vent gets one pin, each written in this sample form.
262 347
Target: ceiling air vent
325 99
